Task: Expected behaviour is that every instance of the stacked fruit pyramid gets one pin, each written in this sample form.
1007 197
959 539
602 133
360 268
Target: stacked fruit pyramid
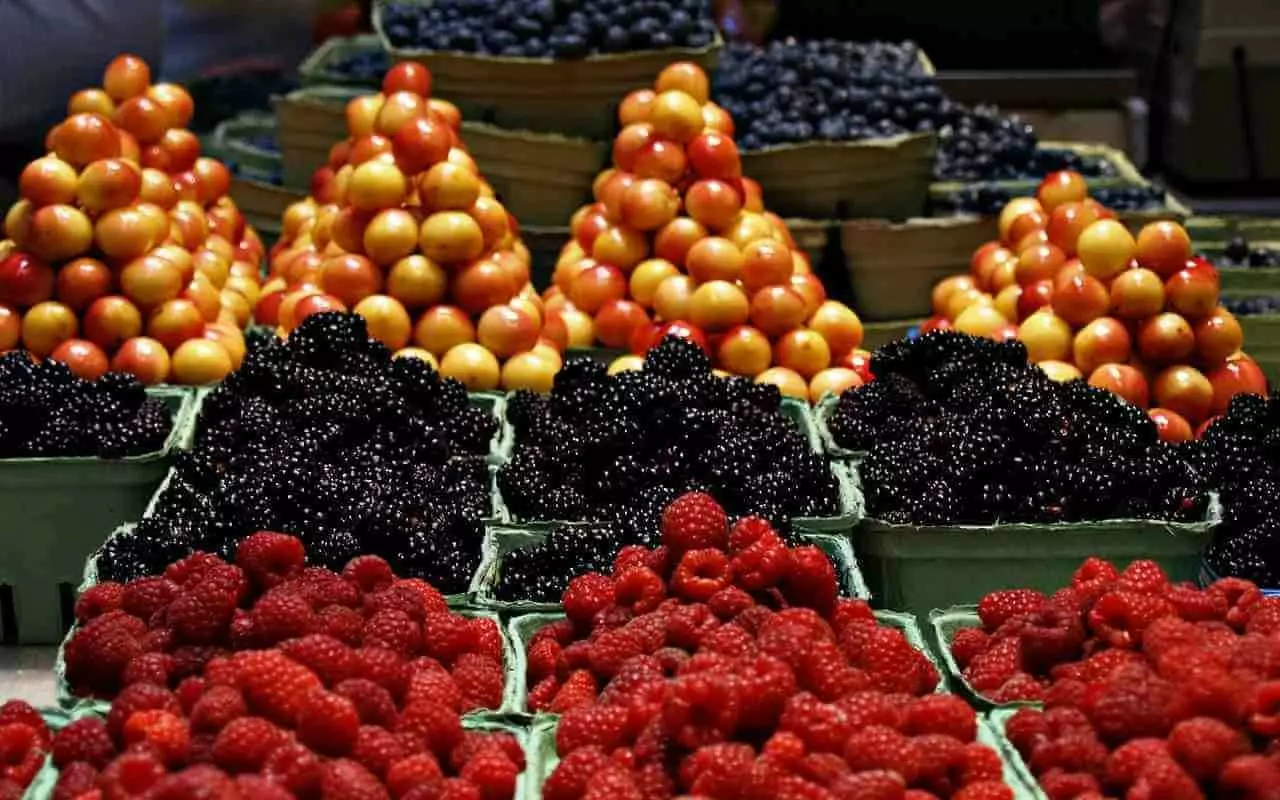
679 240
1137 315
124 251
402 229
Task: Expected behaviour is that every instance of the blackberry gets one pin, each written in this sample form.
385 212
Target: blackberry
542 571
677 358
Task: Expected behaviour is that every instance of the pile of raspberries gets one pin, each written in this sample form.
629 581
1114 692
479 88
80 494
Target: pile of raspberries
24 742
268 672
1151 690
723 664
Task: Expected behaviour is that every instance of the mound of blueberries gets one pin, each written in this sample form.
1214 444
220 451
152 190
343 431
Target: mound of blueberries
1240 253
365 66
1251 306
989 200
562 29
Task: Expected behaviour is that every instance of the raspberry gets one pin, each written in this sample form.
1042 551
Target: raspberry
701 709
941 713
1203 746
825 672
74 779
601 726
1022 687
167 734
811 580
688 624
1126 761
761 566
217 707
1144 577
822 726
295 768
200 614
1120 617
981 763
449 789
895 666
420 769
324 655
439 728
486 638
401 597
876 747
376 749
1249 776
543 694
1196 605
385 668
997 608
328 723
967 644
21 752
1168 633
131 774
1134 704
633 555
1094 569
85 739
879 784
1265 619
937 760
1163 779
274 684
348 780
718 770
694 521
639 588
138 697
270 559
474 742
98 652
1077 752
612 783
481 681
373 703
1256 656
492 773
872 708
700 574
611 648
369 573
1241 597
1025 729
1052 636
148 668
984 790
1264 709
650 630
98 600
191 569
543 659
431 682
244 744
444 636
1101 665
579 690
394 630
1067 721
260 788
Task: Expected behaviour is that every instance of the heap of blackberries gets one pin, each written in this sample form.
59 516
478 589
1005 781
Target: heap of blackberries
46 411
620 447
562 29
988 200
963 430
542 571
367 66
788 92
329 438
1240 452
981 144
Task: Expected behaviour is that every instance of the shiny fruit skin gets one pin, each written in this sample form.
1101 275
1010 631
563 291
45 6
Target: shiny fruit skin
687 77
1006 302
350 278
1124 380
981 319
833 381
946 288
107 184
451 237
1193 291
804 352
839 325
1063 186
506 331
596 286
636 107
714 258
1166 338
1238 375
1103 341
197 362
82 139
59 232
388 322
1039 263
420 144
714 155
176 102
677 238
661 159
1183 390
125 77
1060 371
482 284
111 320
1137 294
676 116
1067 222
125 234
1014 209
777 309
684 330
1046 335
713 203
142 117
85 359
1080 299
376 185
448 187
860 362
985 261
10 327
718 305
47 325
145 359
25 280
390 236
788 381
1218 335
645 278
617 320
150 280
534 372
174 322
407 76
1105 248
440 328
47 181
811 289
649 205
743 350
1171 426
312 304
620 247
765 263
473 365
1163 247
417 281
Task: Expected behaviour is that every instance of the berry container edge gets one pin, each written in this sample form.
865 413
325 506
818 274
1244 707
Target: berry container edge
46 780
574 97
1217 230
1208 577
1123 172
522 628
234 142
50 531
1246 281
920 568
1010 755
323 66
501 541
944 624
821 416
1262 342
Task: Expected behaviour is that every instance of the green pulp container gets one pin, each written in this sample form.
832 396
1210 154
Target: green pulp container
944 625
58 510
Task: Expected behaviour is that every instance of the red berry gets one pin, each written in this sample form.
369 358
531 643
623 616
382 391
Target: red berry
600 726
762 565
941 713
439 728
217 707
997 608
349 780
296 768
373 703
639 589
447 636
167 734
811 580
579 690
1203 746
492 773
823 727
274 684
98 652
586 596
1126 761
480 679
98 600
420 769
1094 569
21 752
700 574
694 521
369 573
85 739
328 723
386 668
1144 577
329 658
244 744
270 559
134 698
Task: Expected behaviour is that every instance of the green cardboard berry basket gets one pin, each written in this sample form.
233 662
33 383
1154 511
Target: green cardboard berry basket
522 628
1246 281
1206 230
920 568
232 142
56 510
320 67
944 624
503 540
1011 757
821 422
46 780
1122 172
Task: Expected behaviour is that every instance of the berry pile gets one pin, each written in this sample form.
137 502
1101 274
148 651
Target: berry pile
981 144
24 742
364 65
989 200
1240 452
299 681
542 571
46 411
548 29
1151 689
621 446
1251 306
328 437
362 623
962 429
723 664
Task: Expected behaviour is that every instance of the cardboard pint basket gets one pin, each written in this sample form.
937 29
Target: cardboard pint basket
324 66
308 123
1119 171
944 624
574 97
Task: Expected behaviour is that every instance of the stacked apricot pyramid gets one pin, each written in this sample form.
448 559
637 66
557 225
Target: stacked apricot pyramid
124 251
402 229
679 240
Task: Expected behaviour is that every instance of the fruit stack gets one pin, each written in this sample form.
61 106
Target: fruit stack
1139 316
724 664
678 240
283 680
125 251
402 229
1150 689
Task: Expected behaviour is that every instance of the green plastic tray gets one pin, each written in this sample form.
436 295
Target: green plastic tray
46 779
522 628
945 624
503 540
318 68
821 417
1246 281
1011 757
231 142
56 511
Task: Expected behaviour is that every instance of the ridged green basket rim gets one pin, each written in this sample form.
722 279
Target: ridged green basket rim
998 719
46 780
945 623
317 68
1126 175
828 405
